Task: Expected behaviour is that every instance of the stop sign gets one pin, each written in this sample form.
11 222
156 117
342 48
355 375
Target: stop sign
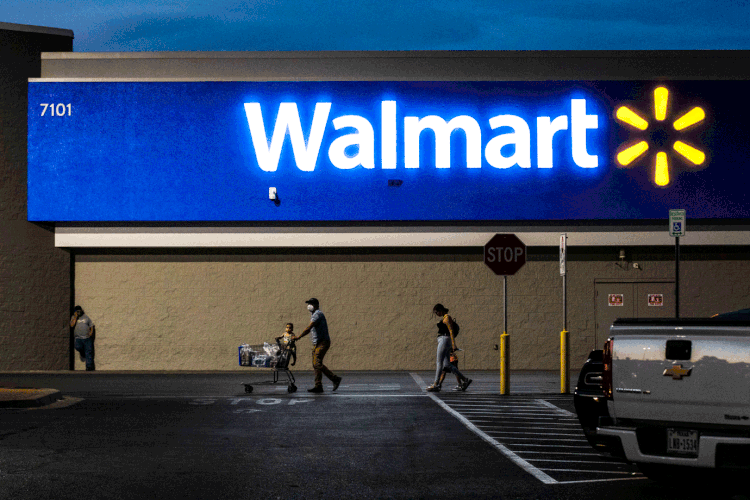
505 254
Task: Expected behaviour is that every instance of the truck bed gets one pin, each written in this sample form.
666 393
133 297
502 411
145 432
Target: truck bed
692 372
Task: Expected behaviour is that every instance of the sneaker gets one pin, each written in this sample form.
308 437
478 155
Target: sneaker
317 389
433 388
457 388
336 383
465 384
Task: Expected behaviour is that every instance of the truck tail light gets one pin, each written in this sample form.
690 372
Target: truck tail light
607 373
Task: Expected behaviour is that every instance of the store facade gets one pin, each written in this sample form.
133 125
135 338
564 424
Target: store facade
204 197
34 274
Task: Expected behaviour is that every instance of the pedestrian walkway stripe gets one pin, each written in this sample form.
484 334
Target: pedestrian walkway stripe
537 473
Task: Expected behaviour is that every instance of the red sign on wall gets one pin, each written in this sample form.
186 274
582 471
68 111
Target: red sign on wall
616 300
505 254
655 299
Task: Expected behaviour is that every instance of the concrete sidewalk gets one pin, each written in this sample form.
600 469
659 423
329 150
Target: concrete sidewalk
35 389
14 397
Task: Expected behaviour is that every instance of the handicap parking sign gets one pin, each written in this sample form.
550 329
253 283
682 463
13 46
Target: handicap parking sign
677 223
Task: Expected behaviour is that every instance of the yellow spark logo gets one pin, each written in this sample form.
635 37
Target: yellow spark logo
629 153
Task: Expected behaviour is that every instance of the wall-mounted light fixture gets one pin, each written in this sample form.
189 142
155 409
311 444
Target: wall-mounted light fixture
622 264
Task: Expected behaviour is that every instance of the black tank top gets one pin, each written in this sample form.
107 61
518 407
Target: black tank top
442 329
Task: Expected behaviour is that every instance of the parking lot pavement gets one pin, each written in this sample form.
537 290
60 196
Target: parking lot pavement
200 435
539 432
539 437
171 435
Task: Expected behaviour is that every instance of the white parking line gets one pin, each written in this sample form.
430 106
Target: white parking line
512 429
535 415
587 447
534 427
569 461
591 471
535 433
591 454
537 439
555 408
541 419
501 409
492 405
502 449
603 480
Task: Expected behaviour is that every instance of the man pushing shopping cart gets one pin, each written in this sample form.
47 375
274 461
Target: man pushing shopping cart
318 330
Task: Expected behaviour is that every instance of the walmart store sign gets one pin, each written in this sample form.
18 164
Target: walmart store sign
385 151
306 146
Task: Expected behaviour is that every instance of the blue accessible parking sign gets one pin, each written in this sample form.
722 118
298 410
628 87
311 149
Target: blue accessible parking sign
677 223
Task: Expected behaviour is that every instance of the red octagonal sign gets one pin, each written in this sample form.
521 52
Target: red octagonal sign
505 254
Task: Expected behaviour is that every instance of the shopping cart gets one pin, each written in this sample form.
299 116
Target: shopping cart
276 356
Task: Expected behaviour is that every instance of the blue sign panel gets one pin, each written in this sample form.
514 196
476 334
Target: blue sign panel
386 151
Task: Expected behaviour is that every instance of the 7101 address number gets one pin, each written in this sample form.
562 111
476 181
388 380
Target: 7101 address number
56 109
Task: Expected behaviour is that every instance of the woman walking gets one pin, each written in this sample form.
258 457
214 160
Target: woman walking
447 331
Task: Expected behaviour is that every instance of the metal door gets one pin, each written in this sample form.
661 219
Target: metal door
613 300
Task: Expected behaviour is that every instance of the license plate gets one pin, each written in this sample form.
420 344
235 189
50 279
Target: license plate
682 442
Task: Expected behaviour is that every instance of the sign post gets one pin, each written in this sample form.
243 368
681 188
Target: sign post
564 332
677 229
505 254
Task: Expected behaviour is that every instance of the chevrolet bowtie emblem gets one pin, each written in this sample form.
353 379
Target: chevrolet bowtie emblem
677 372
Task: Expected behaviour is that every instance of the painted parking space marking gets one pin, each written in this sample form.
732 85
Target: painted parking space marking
542 438
543 448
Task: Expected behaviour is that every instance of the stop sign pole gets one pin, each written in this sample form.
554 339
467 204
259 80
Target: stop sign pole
505 254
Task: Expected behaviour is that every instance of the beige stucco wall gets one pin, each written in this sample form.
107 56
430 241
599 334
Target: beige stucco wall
190 312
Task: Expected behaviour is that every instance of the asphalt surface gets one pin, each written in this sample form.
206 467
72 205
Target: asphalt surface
200 435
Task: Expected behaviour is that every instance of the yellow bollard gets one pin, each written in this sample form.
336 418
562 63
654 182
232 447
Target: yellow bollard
564 362
504 363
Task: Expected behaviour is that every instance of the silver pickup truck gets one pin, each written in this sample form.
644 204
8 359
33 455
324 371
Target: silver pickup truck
673 396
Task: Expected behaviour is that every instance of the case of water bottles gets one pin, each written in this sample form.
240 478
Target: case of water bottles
275 356
263 356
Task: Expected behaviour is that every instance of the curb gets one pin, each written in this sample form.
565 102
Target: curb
28 398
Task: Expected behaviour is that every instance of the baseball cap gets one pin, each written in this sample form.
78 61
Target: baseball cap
313 301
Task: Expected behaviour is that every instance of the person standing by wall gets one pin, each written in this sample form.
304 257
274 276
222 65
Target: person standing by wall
446 345
318 328
83 330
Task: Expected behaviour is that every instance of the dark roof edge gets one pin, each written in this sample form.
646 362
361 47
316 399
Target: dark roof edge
36 29
406 54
